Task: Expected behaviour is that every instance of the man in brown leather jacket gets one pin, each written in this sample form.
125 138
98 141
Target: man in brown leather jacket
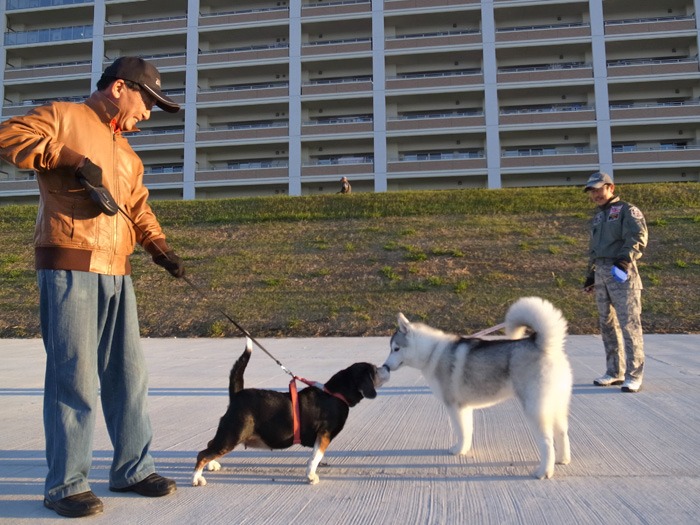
93 209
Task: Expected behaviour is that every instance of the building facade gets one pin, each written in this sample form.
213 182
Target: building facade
288 96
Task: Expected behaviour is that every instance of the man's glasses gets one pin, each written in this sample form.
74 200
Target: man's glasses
147 98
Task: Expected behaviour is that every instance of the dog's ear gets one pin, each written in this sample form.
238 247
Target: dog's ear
404 324
367 386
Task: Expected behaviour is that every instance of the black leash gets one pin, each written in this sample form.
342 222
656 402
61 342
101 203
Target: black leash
204 296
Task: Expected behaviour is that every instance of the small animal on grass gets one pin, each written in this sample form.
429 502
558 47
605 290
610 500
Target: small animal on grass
468 373
263 418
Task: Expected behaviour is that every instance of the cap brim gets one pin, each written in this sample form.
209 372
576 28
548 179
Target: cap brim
594 186
162 101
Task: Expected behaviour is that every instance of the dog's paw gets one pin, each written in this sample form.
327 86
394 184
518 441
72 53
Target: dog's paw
312 479
543 473
458 450
198 481
213 466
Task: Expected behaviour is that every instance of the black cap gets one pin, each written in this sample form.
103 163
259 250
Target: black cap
145 75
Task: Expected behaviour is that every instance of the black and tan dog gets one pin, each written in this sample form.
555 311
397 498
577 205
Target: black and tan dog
263 418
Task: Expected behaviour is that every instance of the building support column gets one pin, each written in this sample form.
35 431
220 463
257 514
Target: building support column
379 97
294 156
99 15
600 84
189 164
490 72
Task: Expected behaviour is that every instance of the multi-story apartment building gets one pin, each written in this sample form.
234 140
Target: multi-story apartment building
288 96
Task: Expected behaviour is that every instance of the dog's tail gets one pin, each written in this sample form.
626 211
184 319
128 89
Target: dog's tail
235 381
540 316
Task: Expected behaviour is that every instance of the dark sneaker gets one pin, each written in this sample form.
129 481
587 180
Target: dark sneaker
76 506
154 486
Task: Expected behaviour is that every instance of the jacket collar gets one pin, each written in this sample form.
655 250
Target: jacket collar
612 201
105 109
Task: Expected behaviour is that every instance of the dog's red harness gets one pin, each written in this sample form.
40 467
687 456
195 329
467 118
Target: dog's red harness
296 415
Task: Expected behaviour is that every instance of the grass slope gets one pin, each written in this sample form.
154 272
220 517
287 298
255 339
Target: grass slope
344 265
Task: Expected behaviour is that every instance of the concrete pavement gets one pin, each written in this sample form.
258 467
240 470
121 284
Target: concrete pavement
635 457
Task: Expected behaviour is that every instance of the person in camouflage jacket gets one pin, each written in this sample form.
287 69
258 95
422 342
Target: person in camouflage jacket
618 237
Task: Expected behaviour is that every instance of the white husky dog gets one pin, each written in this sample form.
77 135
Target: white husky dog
467 373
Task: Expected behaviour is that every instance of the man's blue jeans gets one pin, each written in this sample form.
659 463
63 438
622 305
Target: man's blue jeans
89 324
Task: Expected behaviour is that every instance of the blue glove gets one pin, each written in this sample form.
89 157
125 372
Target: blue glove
619 274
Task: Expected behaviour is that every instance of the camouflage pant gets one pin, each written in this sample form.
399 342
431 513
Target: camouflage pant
620 309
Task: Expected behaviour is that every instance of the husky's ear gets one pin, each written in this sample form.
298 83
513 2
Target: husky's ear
404 324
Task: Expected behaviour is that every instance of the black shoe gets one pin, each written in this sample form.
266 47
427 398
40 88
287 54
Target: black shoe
153 486
76 506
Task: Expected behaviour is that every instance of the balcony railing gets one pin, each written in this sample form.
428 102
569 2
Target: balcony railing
339 8
245 131
338 166
78 68
546 150
337 3
17 176
150 25
260 52
438 79
392 5
554 114
338 125
469 119
56 34
337 45
548 156
220 175
243 92
546 72
550 32
243 16
439 38
644 154
653 66
430 166
331 86
650 25
33 4
682 110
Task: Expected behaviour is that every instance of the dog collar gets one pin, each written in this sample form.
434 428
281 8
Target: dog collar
335 394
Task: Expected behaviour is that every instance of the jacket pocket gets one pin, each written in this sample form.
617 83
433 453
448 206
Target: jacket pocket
69 218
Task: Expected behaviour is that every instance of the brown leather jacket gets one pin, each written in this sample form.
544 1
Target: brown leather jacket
71 233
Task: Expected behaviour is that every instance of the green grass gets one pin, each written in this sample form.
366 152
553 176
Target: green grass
344 265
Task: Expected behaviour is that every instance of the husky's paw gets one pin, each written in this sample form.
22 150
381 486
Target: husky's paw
312 478
213 466
198 480
458 449
543 473
564 461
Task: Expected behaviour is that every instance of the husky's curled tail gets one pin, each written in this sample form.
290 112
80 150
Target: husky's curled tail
540 316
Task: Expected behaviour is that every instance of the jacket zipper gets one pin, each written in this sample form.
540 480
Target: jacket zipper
115 188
